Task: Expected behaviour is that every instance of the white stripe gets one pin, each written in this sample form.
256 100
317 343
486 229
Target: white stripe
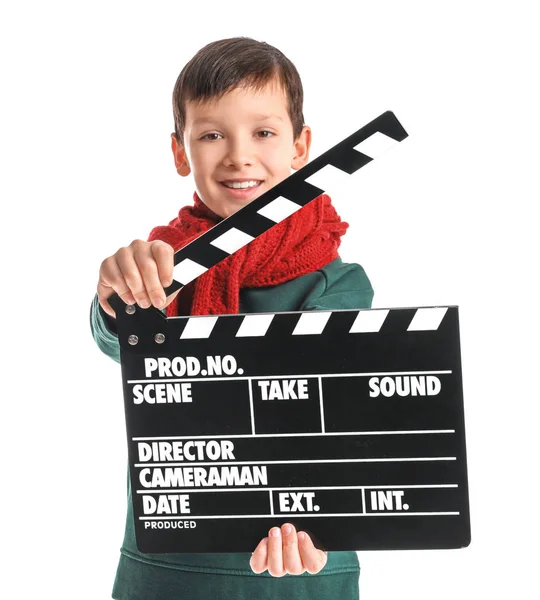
255 325
198 327
328 433
323 425
311 323
297 462
295 375
312 515
232 240
375 144
286 489
369 321
251 411
187 271
427 319
328 178
279 209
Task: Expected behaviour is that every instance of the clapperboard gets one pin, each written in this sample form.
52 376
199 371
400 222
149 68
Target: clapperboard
348 424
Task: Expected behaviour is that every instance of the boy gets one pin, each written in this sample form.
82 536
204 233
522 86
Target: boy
239 130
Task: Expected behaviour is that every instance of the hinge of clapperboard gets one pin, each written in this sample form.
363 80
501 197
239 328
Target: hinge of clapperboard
322 175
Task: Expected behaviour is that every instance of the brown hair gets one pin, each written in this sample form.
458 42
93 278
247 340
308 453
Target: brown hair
226 64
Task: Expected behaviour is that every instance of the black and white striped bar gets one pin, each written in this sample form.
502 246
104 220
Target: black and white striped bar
312 323
322 175
348 423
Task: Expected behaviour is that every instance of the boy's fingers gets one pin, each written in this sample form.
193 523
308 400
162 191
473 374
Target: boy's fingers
103 293
110 282
137 273
148 269
313 559
130 272
275 553
163 254
292 562
258 562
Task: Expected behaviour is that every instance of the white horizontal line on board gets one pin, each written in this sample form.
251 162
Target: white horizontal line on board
297 515
293 376
188 490
295 462
261 435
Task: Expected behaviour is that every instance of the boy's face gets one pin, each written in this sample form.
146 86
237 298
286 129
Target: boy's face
245 135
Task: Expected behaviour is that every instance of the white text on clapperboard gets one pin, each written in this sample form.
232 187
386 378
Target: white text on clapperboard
157 476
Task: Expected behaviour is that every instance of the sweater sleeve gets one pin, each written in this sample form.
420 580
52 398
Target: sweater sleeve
346 287
104 330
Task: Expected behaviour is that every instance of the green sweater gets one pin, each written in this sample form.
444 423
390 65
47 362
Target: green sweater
140 576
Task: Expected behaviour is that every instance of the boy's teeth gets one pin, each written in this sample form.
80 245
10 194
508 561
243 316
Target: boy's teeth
241 184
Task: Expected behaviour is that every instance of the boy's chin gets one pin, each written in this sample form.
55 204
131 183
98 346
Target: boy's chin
234 205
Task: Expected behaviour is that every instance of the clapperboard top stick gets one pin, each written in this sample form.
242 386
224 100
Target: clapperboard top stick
324 174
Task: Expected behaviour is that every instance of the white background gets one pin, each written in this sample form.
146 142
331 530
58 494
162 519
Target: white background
445 218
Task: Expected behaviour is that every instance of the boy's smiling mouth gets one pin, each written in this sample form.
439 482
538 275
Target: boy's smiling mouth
241 183
243 188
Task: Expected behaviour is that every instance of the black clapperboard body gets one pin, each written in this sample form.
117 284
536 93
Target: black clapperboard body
348 424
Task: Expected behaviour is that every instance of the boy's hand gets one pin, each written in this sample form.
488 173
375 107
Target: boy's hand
138 273
287 553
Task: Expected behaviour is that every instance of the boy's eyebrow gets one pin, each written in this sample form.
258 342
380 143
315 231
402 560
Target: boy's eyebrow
256 117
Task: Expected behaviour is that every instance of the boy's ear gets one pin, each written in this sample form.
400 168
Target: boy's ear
301 149
180 157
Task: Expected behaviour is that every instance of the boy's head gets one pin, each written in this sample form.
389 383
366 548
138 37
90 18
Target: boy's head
238 116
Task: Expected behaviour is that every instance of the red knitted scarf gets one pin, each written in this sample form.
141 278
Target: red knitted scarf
302 243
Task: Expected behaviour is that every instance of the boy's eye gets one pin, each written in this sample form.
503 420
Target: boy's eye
265 131
206 136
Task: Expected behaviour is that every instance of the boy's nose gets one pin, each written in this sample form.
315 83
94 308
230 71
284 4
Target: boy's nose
239 154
